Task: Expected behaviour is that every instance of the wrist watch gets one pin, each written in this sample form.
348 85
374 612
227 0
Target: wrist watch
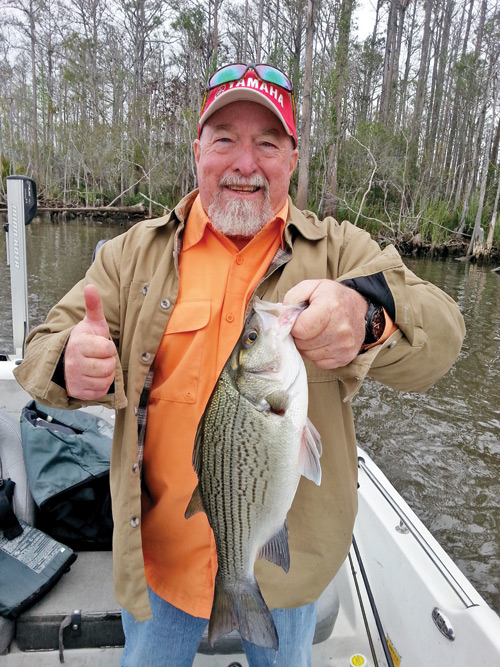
374 323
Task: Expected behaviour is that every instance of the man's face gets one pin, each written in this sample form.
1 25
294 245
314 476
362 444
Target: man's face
244 162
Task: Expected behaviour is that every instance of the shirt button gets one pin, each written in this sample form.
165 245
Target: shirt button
135 468
145 356
165 304
135 521
239 260
230 317
144 289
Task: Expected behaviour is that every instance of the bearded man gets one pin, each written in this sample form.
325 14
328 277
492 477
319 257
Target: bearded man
148 331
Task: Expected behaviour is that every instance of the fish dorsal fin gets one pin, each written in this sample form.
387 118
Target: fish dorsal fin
276 550
278 401
195 505
310 453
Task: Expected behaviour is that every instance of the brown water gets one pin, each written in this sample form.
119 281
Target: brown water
441 450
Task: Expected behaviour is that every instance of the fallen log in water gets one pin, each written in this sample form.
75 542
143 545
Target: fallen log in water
88 210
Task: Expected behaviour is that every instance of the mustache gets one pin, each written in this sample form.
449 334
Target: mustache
254 181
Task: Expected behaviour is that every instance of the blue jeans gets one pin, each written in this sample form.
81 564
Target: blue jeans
171 638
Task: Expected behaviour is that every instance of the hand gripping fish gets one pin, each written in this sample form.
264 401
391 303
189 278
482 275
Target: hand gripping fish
252 446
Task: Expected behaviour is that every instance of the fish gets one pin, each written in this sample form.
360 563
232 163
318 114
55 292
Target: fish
253 444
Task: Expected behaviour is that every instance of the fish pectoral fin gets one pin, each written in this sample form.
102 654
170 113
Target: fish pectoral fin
310 453
276 550
278 401
195 505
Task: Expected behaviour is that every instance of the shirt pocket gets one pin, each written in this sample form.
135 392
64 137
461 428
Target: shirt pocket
179 359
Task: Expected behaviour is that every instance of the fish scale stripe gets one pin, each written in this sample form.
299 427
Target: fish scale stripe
237 534
224 497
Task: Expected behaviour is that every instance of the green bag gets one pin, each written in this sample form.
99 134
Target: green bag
67 454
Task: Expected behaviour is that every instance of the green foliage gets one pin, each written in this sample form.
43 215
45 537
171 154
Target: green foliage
438 222
119 86
6 168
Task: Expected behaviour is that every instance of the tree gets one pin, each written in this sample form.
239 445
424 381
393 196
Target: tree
339 76
305 129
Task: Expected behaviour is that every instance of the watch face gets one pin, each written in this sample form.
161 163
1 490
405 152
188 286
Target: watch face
378 324
374 324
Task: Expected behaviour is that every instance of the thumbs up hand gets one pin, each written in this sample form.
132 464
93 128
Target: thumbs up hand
89 359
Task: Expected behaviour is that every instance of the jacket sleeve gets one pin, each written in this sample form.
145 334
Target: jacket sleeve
430 326
46 343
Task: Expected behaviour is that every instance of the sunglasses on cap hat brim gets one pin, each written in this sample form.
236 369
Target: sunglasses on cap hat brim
236 71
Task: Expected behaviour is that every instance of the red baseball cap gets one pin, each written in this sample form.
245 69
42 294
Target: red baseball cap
254 89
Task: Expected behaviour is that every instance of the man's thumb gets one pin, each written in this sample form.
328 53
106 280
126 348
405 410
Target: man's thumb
94 312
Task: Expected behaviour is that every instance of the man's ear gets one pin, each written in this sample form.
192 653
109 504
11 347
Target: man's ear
196 150
294 158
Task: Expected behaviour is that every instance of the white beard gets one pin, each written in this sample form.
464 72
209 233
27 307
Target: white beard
237 217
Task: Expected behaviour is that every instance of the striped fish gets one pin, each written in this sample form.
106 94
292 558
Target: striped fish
253 444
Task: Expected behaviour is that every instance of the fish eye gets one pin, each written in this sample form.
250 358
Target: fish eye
249 338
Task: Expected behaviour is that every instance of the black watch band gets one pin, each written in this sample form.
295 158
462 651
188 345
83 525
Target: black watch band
374 323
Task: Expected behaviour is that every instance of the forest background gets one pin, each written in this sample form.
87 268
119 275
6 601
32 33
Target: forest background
399 127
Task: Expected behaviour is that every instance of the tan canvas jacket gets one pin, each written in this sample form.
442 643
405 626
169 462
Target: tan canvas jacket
136 274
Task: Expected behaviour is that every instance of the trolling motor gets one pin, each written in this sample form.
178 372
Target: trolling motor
21 209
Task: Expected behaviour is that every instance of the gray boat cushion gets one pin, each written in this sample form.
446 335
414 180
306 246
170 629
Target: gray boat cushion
6 634
12 458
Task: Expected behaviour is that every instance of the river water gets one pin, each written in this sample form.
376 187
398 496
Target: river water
441 449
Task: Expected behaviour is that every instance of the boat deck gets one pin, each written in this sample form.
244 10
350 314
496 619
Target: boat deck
397 584
81 589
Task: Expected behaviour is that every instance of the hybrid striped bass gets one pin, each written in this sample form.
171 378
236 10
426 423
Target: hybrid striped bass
253 444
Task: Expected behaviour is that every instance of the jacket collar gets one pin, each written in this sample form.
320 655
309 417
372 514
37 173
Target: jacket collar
178 214
308 226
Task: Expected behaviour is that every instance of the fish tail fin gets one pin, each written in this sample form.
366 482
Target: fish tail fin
244 609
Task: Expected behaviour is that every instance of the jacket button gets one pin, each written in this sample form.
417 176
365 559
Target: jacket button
144 289
145 356
135 521
165 304
135 468
136 410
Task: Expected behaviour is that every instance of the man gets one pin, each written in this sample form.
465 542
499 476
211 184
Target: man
150 327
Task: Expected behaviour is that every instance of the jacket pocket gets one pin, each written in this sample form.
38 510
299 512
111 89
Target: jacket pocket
180 356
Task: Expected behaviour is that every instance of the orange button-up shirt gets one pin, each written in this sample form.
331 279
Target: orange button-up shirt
216 281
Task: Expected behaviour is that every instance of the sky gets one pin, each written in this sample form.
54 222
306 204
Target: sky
364 15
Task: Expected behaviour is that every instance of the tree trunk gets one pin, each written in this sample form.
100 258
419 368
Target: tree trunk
452 141
34 118
340 73
387 91
441 57
367 97
476 243
421 86
305 130
259 33
494 215
404 85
